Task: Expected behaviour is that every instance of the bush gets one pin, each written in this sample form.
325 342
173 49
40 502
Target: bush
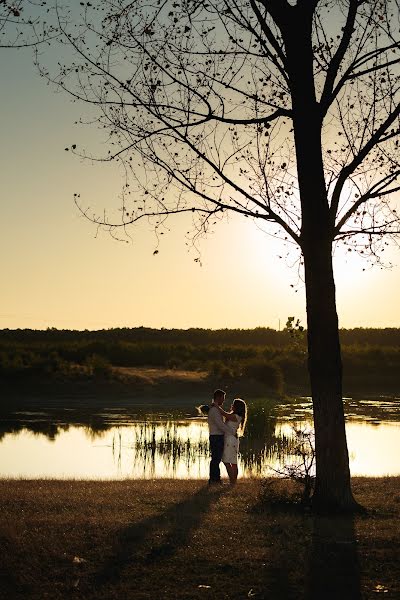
99 366
225 371
265 372
279 493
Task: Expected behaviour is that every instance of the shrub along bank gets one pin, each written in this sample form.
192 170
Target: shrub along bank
89 356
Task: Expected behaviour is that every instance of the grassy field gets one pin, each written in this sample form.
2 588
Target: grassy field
180 540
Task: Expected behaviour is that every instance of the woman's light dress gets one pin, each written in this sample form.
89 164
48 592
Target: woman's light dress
231 443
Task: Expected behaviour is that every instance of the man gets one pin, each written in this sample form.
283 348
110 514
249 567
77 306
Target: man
217 429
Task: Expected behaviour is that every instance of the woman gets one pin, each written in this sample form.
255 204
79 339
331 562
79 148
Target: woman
236 421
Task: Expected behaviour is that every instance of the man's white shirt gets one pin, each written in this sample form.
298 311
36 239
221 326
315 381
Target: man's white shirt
216 425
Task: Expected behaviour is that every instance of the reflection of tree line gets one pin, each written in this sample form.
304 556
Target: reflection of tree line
52 423
49 429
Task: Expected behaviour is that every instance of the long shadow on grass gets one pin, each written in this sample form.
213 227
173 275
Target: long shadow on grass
159 537
334 565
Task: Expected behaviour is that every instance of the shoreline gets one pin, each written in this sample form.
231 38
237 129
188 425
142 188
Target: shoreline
243 481
130 385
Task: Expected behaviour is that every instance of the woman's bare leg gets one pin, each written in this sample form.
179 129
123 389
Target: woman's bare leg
234 471
228 467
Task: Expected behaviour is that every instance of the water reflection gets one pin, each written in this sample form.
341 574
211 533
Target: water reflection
173 444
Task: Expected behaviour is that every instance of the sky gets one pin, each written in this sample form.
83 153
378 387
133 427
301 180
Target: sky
56 272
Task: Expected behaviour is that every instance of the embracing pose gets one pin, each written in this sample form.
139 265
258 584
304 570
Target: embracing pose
235 420
224 428
217 429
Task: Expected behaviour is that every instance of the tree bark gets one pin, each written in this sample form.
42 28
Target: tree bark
332 487
332 490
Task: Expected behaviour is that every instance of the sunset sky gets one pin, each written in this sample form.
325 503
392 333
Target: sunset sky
55 272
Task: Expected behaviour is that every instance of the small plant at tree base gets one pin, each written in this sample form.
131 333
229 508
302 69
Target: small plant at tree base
302 470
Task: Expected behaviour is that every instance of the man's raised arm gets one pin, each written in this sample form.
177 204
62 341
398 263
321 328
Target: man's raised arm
218 421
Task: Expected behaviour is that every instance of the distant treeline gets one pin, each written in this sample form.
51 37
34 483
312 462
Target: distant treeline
260 336
274 358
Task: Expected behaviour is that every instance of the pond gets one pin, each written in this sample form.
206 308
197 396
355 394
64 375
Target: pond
153 442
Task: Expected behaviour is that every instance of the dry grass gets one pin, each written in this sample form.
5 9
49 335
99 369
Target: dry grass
179 540
154 376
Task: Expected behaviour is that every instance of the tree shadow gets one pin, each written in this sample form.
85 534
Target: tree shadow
171 529
334 564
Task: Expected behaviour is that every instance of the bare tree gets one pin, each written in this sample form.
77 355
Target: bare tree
284 112
23 25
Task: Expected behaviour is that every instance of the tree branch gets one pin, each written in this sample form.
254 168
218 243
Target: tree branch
271 39
357 160
333 69
376 191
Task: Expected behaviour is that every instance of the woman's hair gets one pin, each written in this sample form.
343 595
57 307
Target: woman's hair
203 409
240 409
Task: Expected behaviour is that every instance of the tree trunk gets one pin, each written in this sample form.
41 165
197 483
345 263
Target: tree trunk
332 491
332 488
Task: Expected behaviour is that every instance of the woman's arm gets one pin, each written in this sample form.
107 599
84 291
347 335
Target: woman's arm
229 416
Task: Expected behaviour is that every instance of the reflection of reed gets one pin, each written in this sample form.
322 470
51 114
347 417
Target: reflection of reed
117 448
162 442
262 443
170 444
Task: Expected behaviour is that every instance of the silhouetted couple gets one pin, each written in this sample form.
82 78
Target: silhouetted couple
225 428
